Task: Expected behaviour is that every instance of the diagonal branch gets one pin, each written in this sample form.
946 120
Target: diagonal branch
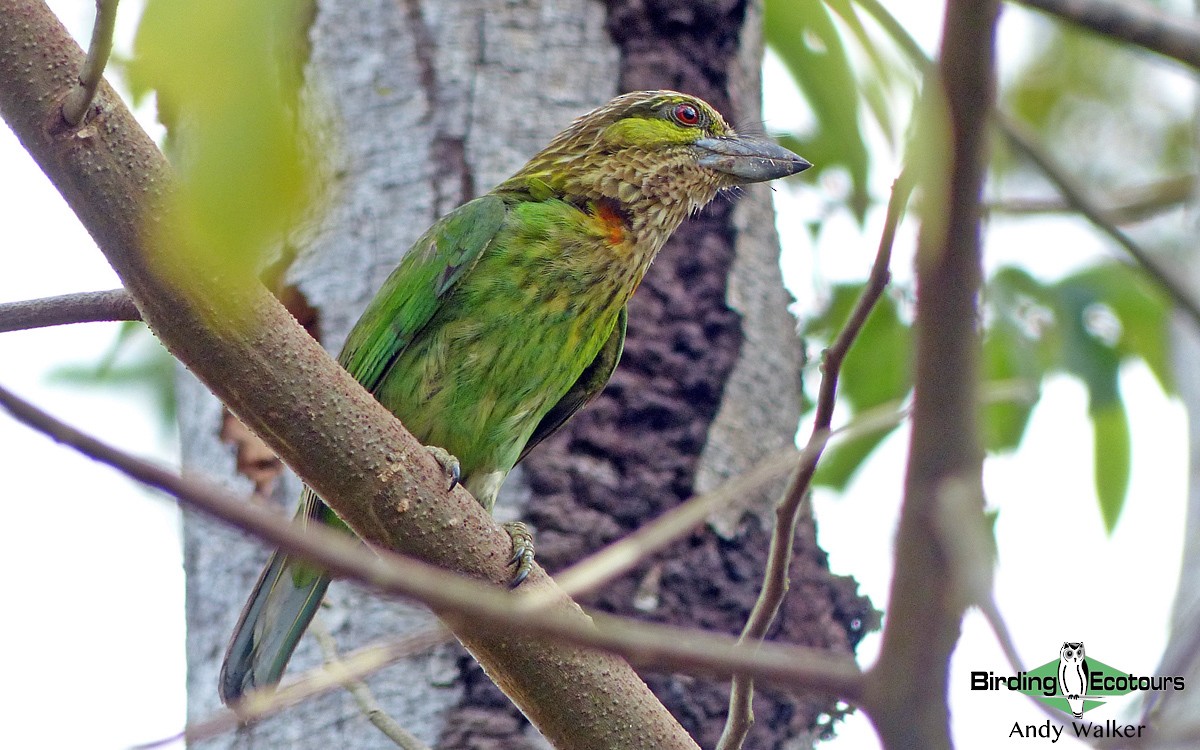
83 307
356 665
361 692
622 556
1138 23
1077 196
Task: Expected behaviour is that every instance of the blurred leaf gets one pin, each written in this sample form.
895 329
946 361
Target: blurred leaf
1110 430
1084 353
226 75
1141 310
1067 90
1019 344
135 360
878 367
846 10
842 459
1007 355
889 70
807 41
1068 67
876 371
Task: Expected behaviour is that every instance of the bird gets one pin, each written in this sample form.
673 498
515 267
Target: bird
508 315
1073 676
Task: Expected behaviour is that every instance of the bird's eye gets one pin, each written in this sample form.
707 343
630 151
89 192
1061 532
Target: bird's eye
686 114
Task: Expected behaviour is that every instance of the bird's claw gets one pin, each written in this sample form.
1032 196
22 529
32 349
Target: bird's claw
449 464
523 551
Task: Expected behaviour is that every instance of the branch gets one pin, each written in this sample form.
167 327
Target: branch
787 513
1138 23
1072 191
80 99
1076 195
356 665
622 556
84 307
1125 206
611 561
907 687
457 598
246 348
361 693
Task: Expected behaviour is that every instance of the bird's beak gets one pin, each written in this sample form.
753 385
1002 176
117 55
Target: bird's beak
748 159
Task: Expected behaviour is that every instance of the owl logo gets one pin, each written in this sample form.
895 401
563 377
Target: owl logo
1073 676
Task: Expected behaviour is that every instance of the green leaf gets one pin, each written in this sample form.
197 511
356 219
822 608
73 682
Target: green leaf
135 360
227 77
1085 354
877 369
1068 67
1071 77
1020 343
875 372
807 41
1110 431
1008 355
841 460
1140 308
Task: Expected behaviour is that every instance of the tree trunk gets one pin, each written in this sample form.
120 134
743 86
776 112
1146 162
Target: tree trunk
435 102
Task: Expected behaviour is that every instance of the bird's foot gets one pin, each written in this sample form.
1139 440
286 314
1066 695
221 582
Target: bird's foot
522 545
449 464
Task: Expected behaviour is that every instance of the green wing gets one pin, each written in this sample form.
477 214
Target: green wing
411 295
589 385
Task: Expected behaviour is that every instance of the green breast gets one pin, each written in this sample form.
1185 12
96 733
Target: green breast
510 339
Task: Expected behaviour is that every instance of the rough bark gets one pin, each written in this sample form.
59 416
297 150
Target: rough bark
709 383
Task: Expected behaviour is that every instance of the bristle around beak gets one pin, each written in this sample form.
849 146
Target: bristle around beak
748 159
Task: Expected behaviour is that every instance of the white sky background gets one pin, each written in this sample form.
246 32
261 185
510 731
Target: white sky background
94 602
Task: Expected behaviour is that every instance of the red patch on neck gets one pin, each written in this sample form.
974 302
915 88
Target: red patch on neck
613 219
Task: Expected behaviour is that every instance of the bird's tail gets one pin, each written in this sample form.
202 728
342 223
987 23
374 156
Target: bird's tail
280 608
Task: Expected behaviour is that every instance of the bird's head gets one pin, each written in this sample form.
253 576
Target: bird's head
658 155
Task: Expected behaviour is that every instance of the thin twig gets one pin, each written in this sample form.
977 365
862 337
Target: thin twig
621 556
788 511
458 597
1077 196
991 613
1139 23
260 704
84 307
1125 206
361 693
1068 186
80 99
